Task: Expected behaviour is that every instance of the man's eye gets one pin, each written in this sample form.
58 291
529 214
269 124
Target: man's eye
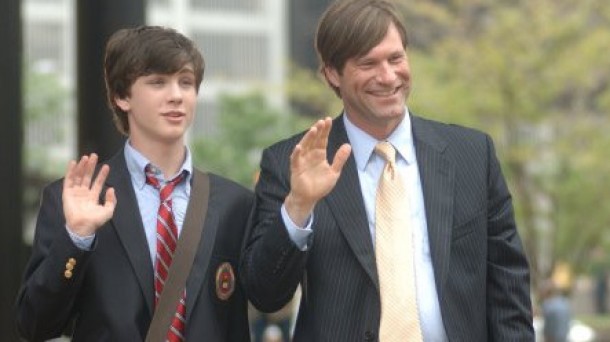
397 59
367 64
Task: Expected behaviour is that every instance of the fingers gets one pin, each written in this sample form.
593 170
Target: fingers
80 173
100 179
75 172
307 142
323 132
110 200
295 157
88 169
317 135
313 144
341 157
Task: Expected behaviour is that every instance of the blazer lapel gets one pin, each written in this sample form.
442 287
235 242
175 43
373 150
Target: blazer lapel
346 202
128 225
437 178
204 251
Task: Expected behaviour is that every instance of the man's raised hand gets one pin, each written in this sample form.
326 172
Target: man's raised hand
311 176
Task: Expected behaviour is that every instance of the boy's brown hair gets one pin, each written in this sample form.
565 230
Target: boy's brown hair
135 52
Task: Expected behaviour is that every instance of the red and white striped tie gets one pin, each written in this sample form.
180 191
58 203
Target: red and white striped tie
167 238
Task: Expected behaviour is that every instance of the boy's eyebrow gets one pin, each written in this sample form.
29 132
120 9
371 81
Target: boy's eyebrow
186 69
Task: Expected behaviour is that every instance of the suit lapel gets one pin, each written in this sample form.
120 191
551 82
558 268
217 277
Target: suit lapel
128 225
204 251
437 178
346 201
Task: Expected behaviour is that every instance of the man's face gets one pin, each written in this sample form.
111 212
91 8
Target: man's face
374 87
160 107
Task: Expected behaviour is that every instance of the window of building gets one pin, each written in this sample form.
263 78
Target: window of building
229 5
232 57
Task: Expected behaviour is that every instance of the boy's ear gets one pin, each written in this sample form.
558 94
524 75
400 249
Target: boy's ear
122 103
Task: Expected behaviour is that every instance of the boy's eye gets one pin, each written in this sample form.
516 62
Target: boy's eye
155 81
187 81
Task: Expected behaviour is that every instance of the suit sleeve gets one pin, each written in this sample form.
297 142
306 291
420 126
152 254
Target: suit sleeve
272 265
508 285
46 301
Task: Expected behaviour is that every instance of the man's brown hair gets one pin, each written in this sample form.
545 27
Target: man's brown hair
134 52
351 28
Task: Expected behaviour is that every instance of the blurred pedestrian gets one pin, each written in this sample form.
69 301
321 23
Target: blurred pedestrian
601 292
556 312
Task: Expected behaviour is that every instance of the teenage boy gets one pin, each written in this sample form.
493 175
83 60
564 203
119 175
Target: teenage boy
105 236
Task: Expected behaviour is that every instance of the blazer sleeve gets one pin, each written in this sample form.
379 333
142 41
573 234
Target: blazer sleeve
272 265
46 301
509 306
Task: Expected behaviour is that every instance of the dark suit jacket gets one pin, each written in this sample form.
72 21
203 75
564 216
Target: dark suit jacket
110 295
481 273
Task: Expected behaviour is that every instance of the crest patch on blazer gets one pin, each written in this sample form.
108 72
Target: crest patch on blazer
225 281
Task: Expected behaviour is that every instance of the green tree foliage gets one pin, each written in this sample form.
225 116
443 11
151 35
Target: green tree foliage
535 75
44 102
310 95
246 125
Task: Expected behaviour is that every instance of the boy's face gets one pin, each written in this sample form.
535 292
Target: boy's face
161 107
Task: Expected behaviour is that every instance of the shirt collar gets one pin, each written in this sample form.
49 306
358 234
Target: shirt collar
363 144
136 163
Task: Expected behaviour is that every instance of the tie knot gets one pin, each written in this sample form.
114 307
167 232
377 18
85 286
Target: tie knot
167 188
387 151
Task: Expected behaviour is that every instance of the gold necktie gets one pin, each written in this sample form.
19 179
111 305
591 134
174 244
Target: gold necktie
394 254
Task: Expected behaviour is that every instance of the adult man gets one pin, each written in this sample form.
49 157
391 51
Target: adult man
98 267
317 222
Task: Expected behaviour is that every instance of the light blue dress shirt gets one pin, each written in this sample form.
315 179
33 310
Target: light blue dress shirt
148 198
370 166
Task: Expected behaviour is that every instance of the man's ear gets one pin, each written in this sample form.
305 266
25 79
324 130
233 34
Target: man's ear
332 76
122 103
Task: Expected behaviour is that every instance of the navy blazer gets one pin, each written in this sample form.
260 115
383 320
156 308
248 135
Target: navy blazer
109 296
481 272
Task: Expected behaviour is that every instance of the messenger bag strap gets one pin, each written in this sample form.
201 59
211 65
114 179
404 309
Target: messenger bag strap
183 258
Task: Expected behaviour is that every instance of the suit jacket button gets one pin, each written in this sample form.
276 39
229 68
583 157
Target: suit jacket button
369 336
68 274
